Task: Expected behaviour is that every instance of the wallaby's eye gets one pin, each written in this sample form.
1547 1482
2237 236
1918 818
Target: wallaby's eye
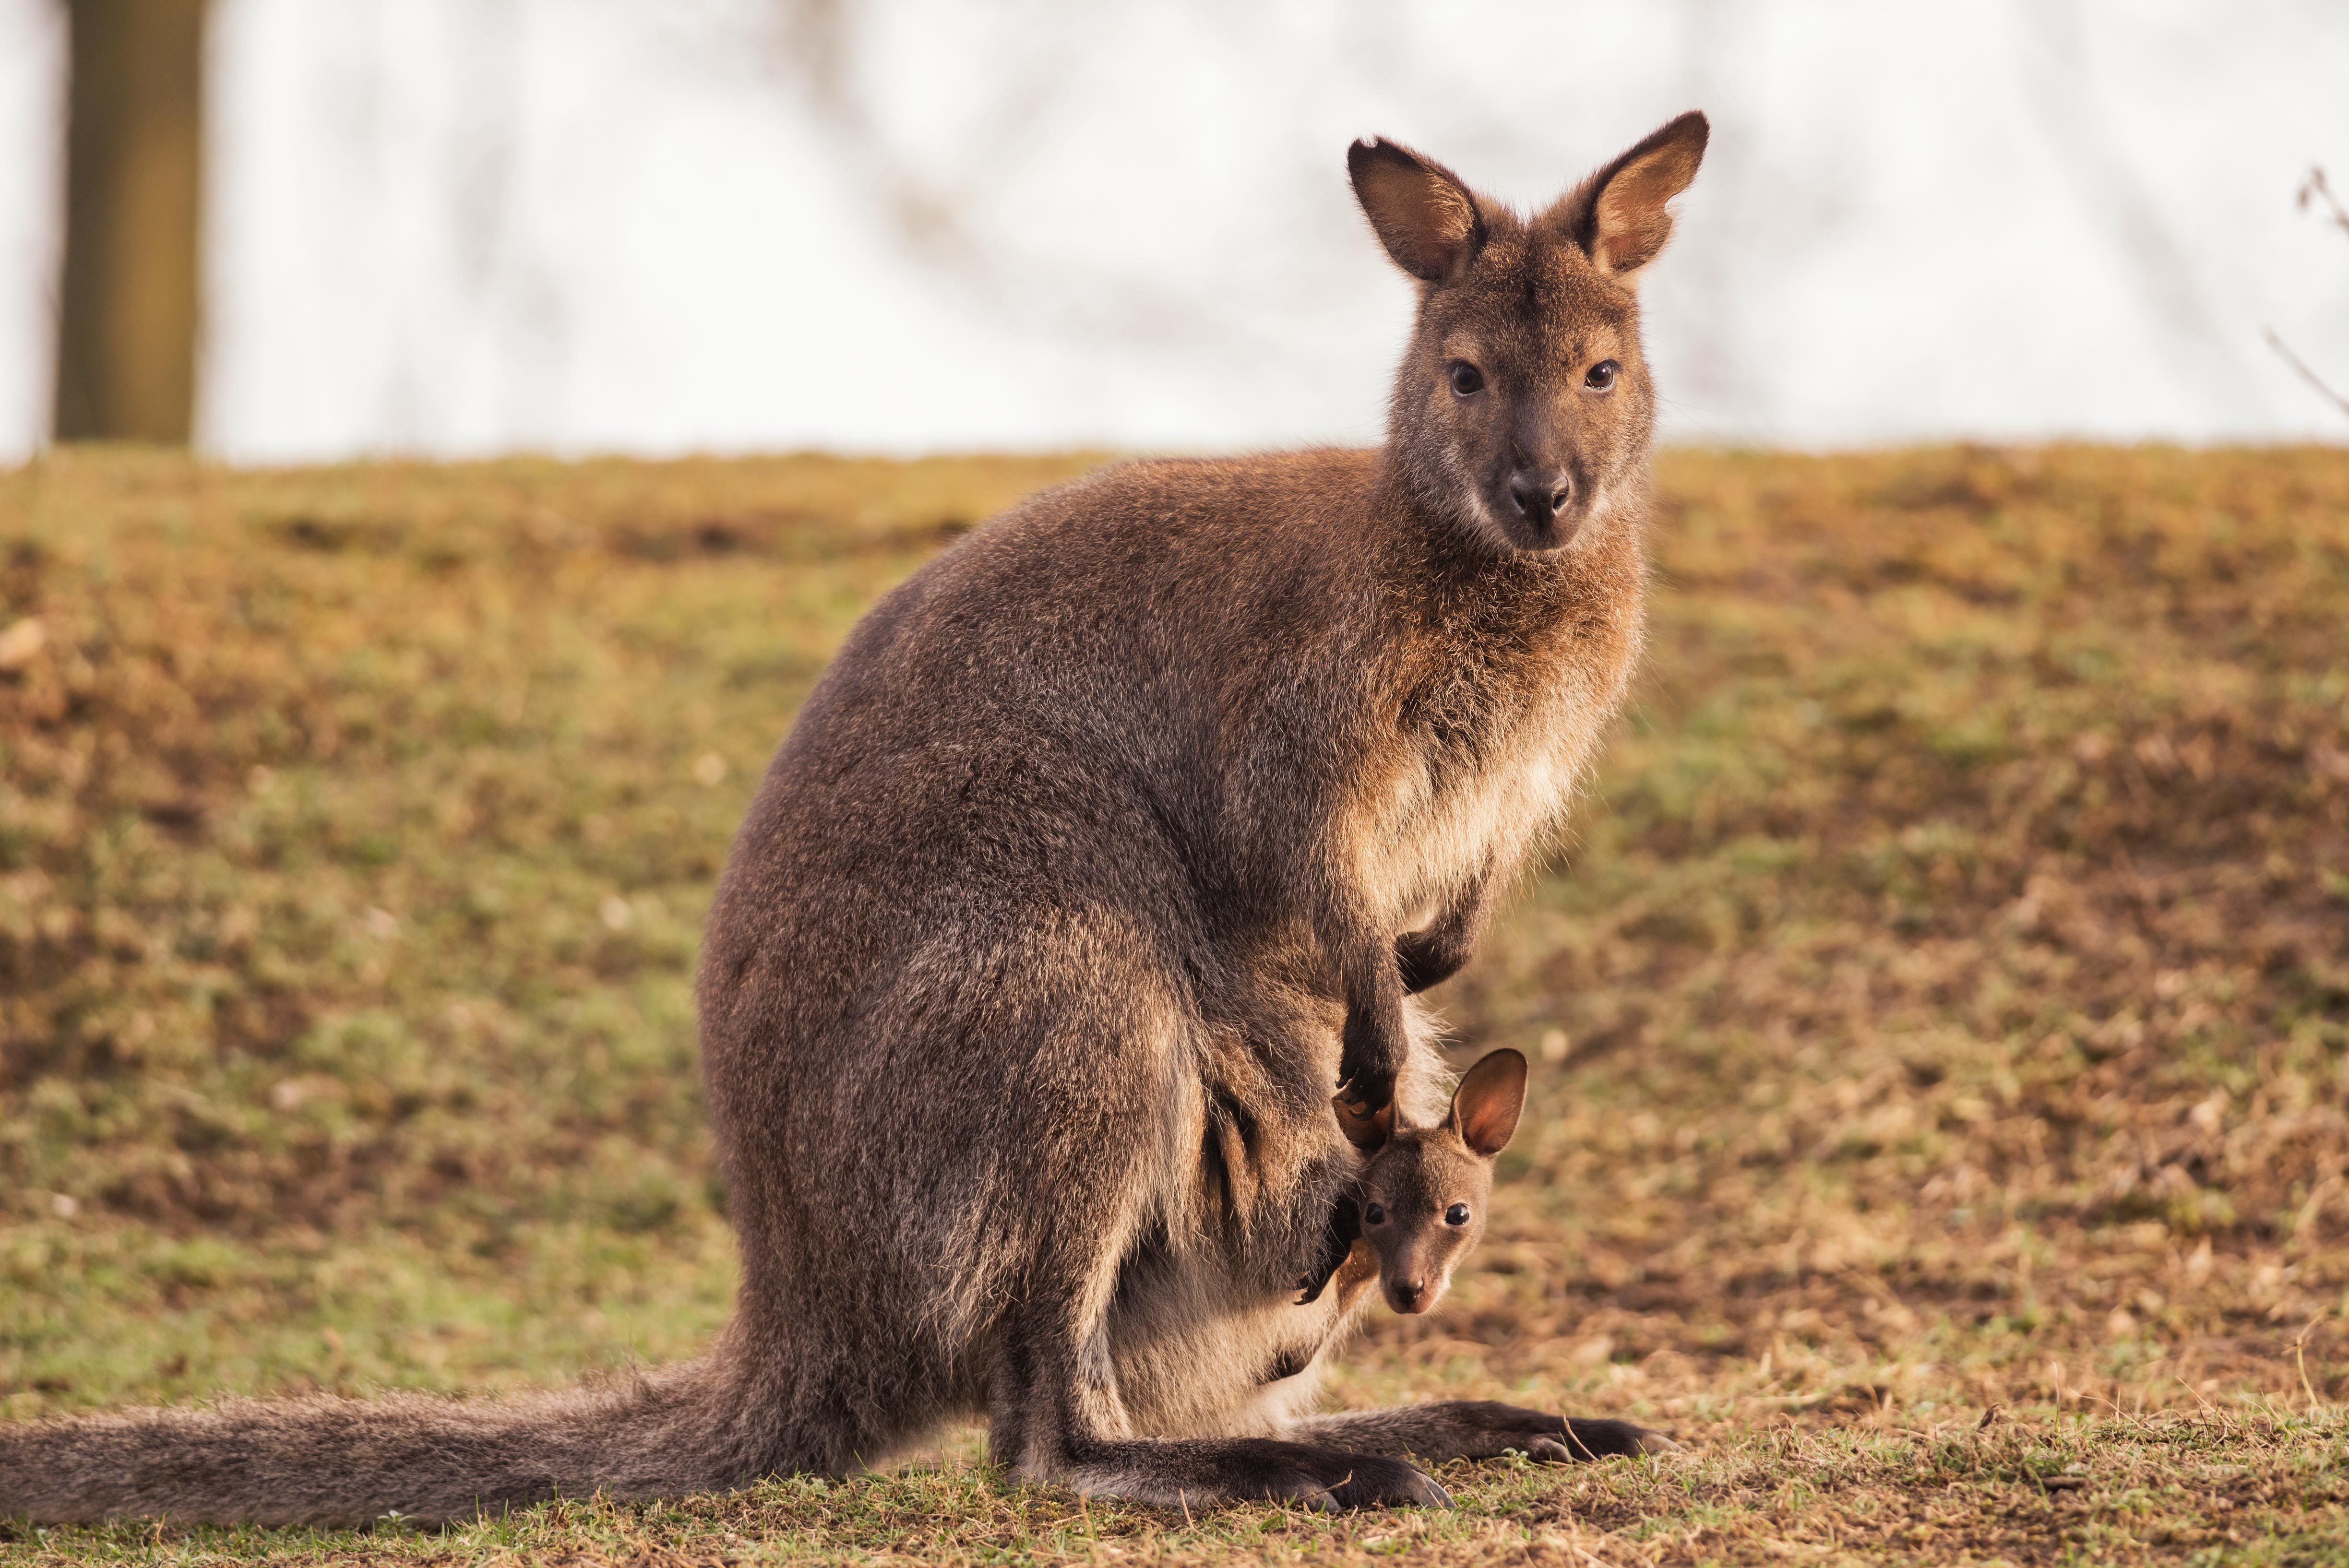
1467 379
1375 1214
1456 1215
1601 375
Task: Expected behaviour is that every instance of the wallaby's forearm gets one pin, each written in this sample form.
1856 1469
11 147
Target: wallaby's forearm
1428 957
1373 1043
1378 981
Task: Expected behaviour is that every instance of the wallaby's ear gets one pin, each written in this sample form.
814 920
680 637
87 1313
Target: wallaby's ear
1366 1131
1618 215
1485 1107
1424 216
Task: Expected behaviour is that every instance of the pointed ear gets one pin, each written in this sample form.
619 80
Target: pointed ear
1423 214
1618 215
1485 1106
1367 1131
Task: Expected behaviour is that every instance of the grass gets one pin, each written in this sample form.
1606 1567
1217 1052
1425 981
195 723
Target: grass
1943 1018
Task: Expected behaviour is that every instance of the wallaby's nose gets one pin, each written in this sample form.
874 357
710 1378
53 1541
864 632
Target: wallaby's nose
1407 1294
1541 497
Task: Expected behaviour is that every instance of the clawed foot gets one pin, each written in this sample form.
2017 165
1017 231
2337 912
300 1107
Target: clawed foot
1561 1439
1255 1469
1486 1428
1330 1482
1585 1439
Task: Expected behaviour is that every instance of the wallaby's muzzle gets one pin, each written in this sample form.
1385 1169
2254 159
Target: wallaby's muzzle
1540 507
1539 486
1544 508
1411 1295
1541 498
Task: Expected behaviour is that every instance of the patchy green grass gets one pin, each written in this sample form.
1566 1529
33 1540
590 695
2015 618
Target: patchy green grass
1945 1008
2209 1488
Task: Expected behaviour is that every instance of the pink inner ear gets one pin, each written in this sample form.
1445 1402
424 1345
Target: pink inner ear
1423 215
1630 232
1427 224
1630 220
1485 1108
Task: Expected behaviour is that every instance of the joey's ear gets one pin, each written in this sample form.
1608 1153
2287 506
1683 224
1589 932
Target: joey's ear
1367 1131
1618 215
1485 1106
1424 216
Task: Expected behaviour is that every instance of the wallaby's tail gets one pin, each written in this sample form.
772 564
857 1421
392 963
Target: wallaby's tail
323 1460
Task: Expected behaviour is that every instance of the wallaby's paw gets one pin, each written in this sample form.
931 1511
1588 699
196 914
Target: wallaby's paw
1372 1050
1259 1469
1486 1428
1598 1440
1330 1480
1422 961
1371 1480
1366 1091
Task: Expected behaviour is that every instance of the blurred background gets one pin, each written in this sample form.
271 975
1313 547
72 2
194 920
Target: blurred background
313 229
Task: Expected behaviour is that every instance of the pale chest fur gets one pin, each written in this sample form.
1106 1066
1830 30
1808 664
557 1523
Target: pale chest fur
1485 768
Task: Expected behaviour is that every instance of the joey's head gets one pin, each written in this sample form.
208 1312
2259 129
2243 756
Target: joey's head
1424 1191
1523 408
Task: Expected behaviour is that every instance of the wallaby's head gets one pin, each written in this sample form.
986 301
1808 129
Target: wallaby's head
1423 1192
1524 406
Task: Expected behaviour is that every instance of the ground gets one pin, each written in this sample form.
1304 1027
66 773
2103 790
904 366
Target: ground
1940 1016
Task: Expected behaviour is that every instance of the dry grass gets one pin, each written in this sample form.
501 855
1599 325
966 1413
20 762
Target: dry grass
1946 1007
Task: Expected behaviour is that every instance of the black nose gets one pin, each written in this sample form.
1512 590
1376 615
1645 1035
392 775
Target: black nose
1408 1291
1541 498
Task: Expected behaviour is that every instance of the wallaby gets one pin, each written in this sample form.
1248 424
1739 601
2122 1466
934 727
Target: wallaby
1420 1200
1108 849
1419 1205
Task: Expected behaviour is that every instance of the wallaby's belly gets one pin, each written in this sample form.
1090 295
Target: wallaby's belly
1200 1354
1206 1334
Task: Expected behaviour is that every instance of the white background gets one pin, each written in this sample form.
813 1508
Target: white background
470 226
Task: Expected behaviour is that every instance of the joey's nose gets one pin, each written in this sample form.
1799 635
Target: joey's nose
1407 1294
1541 497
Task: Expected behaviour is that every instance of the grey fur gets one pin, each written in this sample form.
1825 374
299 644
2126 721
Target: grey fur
1103 855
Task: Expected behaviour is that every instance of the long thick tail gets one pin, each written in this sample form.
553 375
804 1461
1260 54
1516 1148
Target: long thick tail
325 1460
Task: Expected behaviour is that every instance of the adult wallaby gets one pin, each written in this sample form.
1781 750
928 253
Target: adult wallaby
1109 847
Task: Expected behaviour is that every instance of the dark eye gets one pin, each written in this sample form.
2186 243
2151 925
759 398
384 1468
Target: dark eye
1601 375
1467 379
1374 1215
1456 1215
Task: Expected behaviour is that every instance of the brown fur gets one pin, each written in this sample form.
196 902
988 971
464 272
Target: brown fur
1106 851
1421 1199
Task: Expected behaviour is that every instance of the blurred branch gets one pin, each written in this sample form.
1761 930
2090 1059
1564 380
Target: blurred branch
2314 192
2311 376
956 211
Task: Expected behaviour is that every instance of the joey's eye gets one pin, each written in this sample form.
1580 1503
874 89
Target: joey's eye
1467 379
1456 1215
1601 375
1374 1215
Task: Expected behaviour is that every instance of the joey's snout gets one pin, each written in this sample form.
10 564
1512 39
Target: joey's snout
1411 1295
1412 1275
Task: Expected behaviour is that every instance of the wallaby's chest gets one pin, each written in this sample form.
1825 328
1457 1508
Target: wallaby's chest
1492 730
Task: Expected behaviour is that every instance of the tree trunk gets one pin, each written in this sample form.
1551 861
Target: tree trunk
134 172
